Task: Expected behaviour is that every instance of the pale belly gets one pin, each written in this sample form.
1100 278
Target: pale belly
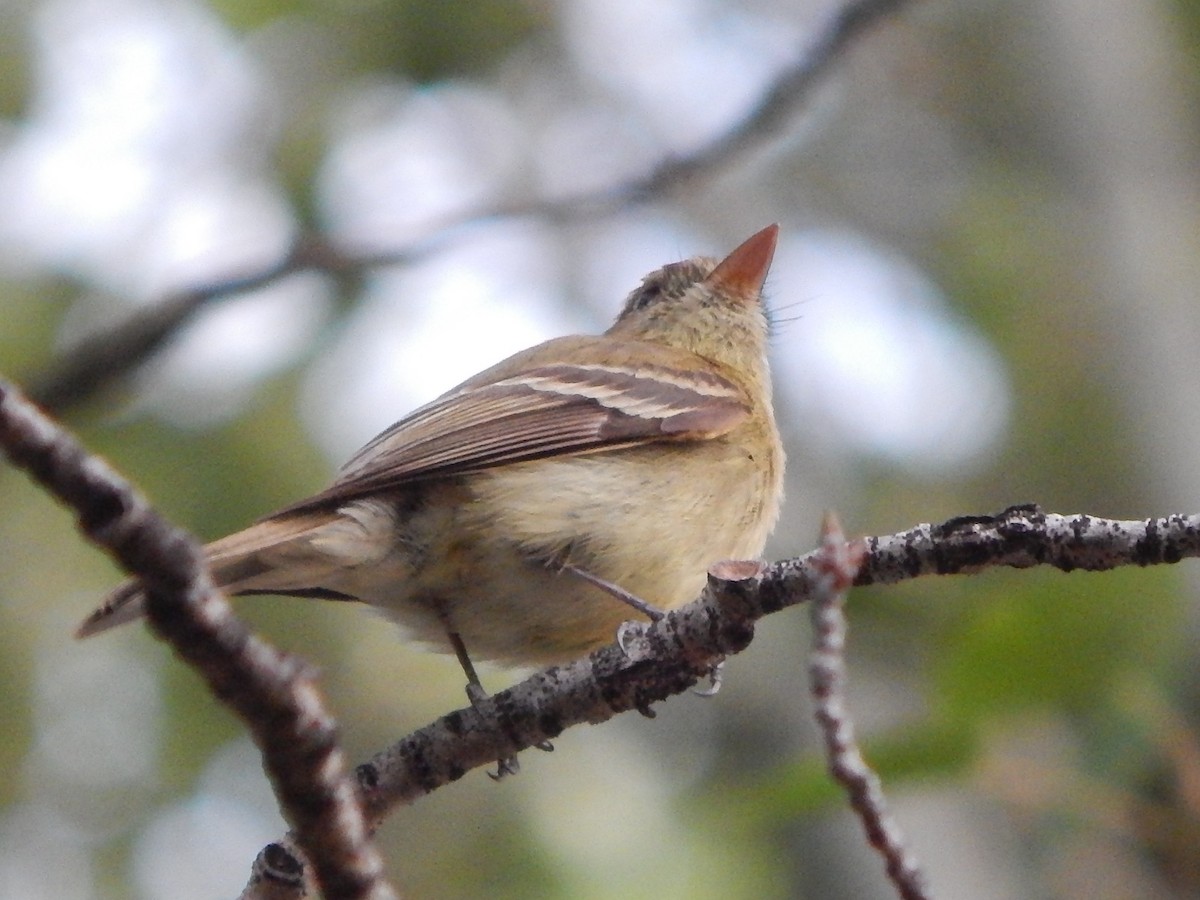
514 602
483 556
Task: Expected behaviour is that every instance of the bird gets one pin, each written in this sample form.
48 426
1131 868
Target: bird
523 516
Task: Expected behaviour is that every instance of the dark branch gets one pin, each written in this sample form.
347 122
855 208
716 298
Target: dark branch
672 655
675 653
275 694
277 697
104 358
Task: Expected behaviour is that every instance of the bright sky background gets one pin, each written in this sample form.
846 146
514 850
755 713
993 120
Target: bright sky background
132 170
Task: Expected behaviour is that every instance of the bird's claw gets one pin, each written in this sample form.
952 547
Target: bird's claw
505 767
716 675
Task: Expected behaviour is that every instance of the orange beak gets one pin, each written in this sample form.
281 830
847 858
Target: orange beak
742 272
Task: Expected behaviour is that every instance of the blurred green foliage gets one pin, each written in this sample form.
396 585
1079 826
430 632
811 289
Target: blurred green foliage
419 40
1107 658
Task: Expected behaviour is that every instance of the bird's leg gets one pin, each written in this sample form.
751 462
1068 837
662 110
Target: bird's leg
653 613
476 694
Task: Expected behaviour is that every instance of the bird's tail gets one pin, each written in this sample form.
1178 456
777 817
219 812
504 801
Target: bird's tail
246 562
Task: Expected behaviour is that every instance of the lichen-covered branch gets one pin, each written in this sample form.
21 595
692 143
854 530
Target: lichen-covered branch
275 694
675 653
277 697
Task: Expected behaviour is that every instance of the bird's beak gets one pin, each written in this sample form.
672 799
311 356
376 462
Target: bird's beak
743 271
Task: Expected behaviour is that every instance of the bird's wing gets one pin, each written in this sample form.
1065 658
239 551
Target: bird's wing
545 409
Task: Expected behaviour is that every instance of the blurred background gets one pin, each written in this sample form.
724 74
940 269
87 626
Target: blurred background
987 291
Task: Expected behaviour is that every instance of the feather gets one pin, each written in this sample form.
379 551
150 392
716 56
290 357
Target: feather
558 409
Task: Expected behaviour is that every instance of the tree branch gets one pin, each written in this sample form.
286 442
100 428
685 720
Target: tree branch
274 694
673 654
115 353
277 697
840 563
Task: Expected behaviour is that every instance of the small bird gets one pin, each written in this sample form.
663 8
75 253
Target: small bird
525 515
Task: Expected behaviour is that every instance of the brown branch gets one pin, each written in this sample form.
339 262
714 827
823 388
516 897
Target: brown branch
839 563
277 696
103 358
274 694
115 353
1022 537
672 655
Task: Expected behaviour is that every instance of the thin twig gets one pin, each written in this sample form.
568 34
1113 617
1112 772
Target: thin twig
113 354
839 563
274 694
